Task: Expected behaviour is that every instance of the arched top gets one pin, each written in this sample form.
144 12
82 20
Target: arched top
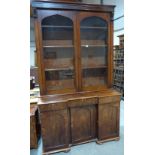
94 21
56 20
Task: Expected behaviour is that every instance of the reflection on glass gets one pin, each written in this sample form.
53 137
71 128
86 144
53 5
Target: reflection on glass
94 32
58 52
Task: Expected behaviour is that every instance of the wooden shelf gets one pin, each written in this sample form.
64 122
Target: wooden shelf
82 27
58 46
59 69
116 59
52 26
119 68
87 46
93 27
69 43
92 67
93 42
57 43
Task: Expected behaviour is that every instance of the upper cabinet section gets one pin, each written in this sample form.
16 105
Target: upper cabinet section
74 46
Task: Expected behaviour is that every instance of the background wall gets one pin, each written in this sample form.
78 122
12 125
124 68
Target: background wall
118 23
32 42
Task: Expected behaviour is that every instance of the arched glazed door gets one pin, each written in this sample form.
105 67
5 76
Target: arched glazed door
58 52
94 50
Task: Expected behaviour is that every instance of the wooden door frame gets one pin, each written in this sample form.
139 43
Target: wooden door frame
105 16
41 14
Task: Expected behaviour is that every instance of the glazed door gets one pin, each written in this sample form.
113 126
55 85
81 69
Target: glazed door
57 51
94 34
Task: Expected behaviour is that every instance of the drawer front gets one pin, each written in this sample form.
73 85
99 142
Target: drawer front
52 106
82 102
109 99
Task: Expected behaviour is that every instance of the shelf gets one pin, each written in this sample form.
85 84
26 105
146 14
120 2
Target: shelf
82 27
58 46
57 43
58 69
87 46
93 27
93 42
118 59
69 43
71 46
48 26
89 67
117 80
119 68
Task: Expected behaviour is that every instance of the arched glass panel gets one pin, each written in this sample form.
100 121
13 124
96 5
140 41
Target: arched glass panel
58 52
94 37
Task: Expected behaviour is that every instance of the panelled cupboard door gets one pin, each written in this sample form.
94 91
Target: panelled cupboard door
108 119
94 50
56 51
83 123
33 134
55 129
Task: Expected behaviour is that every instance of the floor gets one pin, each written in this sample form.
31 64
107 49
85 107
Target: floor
108 148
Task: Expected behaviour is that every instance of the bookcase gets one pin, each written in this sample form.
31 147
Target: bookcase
75 63
118 82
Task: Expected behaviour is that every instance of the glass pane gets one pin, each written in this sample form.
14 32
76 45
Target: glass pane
58 52
94 50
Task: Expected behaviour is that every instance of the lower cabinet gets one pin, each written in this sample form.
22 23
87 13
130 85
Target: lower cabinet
83 123
34 127
78 121
55 129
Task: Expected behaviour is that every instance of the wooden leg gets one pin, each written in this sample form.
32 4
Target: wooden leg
106 140
56 151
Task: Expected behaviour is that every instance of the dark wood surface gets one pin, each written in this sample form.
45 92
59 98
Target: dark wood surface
45 99
86 110
85 129
73 6
108 115
34 126
76 17
55 129
78 118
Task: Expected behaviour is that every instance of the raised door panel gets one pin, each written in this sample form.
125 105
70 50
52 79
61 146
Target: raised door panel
83 123
33 134
108 121
55 129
